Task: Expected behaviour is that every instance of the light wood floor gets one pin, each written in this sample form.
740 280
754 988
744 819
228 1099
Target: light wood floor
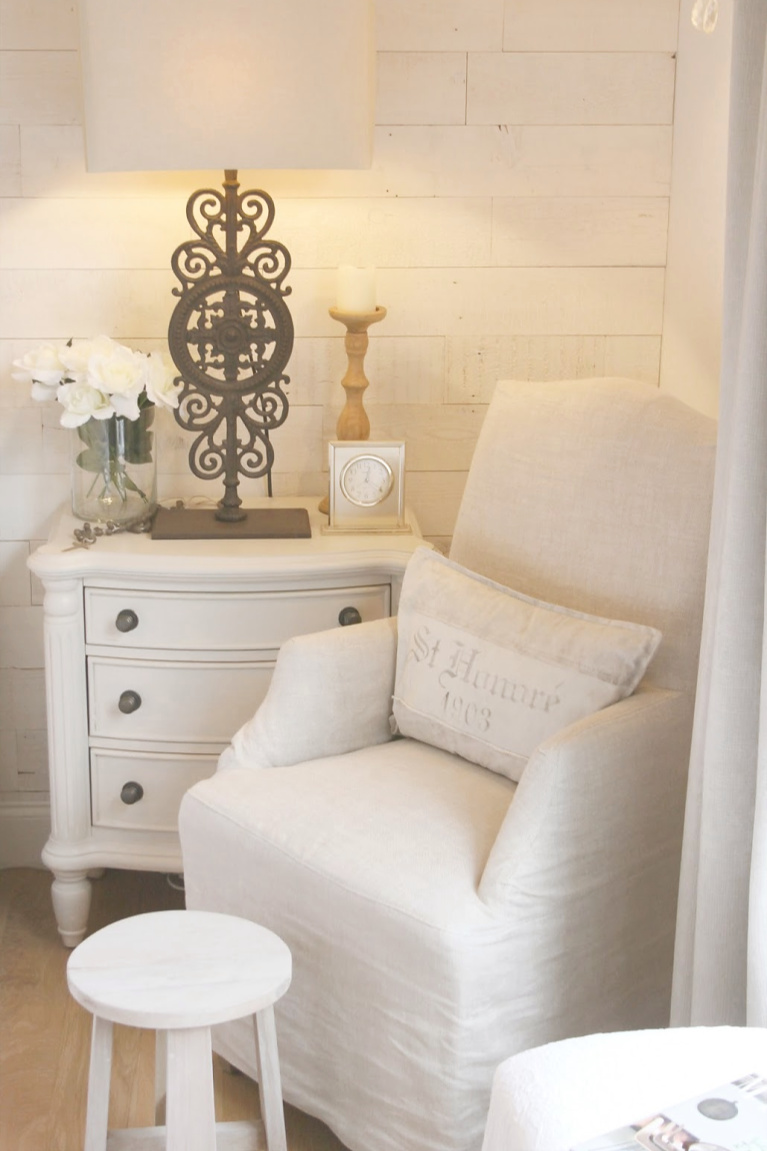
45 1035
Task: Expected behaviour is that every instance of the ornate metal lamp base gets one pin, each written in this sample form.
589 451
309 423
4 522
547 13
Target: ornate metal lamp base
231 336
255 524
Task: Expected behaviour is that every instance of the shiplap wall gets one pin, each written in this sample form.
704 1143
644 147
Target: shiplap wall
516 210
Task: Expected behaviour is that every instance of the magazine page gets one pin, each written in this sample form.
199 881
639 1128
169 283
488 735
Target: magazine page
732 1117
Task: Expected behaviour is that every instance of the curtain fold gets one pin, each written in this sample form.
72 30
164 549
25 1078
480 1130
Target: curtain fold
720 970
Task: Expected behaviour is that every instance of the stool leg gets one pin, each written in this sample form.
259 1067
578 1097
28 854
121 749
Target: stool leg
190 1109
269 1085
99 1077
160 1076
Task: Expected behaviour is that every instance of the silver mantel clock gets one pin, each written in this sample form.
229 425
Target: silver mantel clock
367 486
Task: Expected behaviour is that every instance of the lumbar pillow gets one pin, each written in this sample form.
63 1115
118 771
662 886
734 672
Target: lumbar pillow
488 673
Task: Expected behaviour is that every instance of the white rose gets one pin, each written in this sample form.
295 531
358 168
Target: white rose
81 403
158 381
116 369
43 368
126 406
77 354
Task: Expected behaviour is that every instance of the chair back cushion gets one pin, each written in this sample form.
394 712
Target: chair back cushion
596 495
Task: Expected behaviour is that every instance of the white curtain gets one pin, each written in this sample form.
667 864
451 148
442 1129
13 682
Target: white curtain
720 973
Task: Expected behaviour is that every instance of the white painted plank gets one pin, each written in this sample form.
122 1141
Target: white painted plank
422 25
84 304
474 366
106 232
586 232
635 357
298 443
90 234
22 632
510 301
406 231
28 692
570 88
590 25
57 448
28 505
39 88
400 370
435 498
14 574
32 760
38 593
442 160
6 699
21 441
9 775
421 88
12 393
421 302
438 438
10 160
38 24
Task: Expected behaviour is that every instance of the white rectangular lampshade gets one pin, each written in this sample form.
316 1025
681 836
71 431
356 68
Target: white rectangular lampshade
194 84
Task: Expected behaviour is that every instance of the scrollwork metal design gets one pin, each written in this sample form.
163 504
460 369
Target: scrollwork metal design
231 336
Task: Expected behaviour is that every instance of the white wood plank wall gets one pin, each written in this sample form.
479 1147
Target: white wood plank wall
516 209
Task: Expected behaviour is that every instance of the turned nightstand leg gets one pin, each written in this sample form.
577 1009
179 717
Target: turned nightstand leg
71 895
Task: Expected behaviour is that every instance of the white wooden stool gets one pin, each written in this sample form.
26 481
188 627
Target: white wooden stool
180 972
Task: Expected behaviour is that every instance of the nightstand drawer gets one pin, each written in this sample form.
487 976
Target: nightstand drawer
142 791
173 702
231 621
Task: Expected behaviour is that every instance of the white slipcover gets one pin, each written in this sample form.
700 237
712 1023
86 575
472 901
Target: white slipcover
439 919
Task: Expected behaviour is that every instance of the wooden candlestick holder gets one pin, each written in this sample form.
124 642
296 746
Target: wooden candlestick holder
353 422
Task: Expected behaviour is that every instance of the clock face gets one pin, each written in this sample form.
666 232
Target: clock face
366 480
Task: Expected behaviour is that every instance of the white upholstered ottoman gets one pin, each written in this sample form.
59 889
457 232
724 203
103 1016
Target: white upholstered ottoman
552 1097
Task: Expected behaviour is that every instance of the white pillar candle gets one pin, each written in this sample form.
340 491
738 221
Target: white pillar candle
356 289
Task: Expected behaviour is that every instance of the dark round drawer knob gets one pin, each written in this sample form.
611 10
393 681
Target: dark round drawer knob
131 792
126 620
349 615
129 701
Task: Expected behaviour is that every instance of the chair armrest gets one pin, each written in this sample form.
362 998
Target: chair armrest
331 692
609 787
584 872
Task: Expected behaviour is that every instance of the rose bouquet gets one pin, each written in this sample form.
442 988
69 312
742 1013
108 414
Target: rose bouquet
108 394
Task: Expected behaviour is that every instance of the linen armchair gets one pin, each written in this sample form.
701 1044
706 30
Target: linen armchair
441 916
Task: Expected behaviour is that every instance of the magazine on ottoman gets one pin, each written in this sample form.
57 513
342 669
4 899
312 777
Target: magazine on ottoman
732 1117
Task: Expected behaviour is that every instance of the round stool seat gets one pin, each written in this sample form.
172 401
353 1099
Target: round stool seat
179 973
175 969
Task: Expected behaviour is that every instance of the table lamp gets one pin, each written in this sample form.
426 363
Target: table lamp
186 84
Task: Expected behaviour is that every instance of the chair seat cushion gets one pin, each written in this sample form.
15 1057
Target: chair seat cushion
403 823
367 865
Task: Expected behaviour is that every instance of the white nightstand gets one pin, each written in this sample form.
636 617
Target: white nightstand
156 652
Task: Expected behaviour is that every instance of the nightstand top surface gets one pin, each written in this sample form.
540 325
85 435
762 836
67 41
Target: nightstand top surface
137 554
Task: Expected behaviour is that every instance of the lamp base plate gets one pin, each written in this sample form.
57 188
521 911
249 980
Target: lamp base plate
258 524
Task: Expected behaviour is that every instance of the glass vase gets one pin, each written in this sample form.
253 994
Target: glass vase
114 472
